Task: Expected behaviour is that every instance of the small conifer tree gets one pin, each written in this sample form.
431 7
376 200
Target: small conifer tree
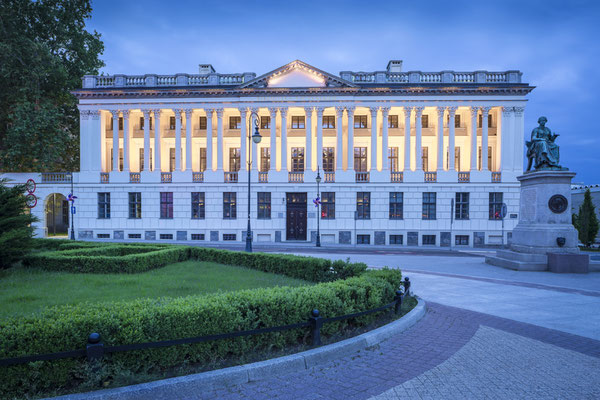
586 221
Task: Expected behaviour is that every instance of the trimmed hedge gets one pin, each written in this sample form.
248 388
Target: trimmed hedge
108 259
67 327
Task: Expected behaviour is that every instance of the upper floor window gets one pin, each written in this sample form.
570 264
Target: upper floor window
393 158
172 123
392 121
265 122
298 122
142 158
328 122
202 123
360 159
166 205
264 205
135 205
328 159
425 158
429 205
234 159
360 121
198 205
297 159
229 205
202 166
489 157
235 122
103 205
363 205
462 206
328 205
265 159
172 159
424 121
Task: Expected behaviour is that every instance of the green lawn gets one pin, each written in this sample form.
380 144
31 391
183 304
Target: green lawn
29 290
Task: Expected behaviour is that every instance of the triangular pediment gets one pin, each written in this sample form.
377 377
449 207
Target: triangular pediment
297 74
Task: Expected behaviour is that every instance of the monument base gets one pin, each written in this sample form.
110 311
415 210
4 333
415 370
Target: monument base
519 261
568 263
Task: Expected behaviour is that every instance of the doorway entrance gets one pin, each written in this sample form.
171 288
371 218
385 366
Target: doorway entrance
57 215
296 216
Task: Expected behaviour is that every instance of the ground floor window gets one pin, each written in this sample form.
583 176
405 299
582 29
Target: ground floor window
363 239
396 239
166 236
229 236
134 236
197 236
428 239
461 240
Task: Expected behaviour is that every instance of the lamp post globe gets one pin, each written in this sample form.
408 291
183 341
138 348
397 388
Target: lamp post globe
256 138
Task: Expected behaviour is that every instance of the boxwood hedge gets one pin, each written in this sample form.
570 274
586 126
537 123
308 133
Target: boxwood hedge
67 327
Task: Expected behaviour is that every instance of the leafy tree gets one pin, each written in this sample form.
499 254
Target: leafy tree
44 52
586 222
15 224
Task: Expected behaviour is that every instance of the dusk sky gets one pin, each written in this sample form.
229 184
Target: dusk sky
556 44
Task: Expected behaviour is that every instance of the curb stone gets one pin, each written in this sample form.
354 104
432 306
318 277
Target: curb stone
259 370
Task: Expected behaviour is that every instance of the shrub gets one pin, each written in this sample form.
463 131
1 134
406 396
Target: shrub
67 327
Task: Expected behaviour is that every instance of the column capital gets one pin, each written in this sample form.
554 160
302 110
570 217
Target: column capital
126 114
95 114
283 111
273 112
209 112
385 111
219 112
519 110
473 111
146 112
485 110
374 110
115 113
350 110
406 110
309 111
418 110
507 111
178 112
243 111
188 112
339 111
85 114
156 112
440 111
452 110
254 110
319 111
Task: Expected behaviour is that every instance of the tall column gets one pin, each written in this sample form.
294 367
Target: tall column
188 139
473 111
519 138
146 140
254 156
451 139
385 165
350 152
115 132
308 111
243 140
209 139
484 138
419 149
219 139
274 152
283 153
339 147
126 136
97 140
407 145
319 155
440 139
373 138
157 141
85 145
177 140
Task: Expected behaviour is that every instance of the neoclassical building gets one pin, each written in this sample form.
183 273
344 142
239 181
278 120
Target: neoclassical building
406 158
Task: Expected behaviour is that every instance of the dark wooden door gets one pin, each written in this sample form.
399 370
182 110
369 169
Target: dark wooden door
296 216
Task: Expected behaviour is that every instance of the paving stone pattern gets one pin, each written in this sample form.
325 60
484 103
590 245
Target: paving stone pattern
436 342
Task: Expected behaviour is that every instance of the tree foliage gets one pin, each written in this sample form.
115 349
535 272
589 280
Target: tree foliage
15 224
586 221
44 52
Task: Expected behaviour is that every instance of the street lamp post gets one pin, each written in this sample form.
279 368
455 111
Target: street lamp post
318 179
72 210
256 138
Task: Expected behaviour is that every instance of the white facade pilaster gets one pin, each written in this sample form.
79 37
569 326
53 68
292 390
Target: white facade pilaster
157 141
283 154
484 138
115 133
254 156
309 163
188 139
407 145
177 140
339 147
209 139
97 140
419 148
319 111
384 140
243 140
146 140
373 138
451 138
126 136
440 139
350 153
274 154
219 139
519 138
84 139
473 133
506 133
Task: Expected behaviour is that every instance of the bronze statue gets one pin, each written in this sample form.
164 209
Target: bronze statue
542 148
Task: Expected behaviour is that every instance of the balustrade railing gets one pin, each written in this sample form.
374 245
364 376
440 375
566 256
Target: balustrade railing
463 77
464 177
397 77
104 177
329 177
263 177
430 176
166 177
362 177
198 177
231 177
134 177
56 177
296 177
496 177
430 77
397 176
495 77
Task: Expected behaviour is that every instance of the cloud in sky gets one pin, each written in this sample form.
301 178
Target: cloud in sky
555 44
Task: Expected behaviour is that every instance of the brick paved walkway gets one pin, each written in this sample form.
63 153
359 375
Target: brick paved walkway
444 340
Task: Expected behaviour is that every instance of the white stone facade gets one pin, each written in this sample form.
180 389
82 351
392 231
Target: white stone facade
349 114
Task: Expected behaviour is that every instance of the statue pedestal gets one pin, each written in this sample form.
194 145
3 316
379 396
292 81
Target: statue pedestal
544 226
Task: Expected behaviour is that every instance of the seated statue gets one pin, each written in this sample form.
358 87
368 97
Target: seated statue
542 148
